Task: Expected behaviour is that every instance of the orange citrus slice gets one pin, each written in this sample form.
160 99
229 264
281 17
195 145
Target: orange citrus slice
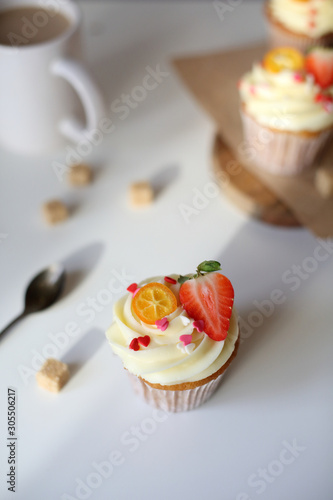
283 58
153 302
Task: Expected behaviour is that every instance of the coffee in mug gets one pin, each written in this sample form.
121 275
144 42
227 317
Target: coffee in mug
30 25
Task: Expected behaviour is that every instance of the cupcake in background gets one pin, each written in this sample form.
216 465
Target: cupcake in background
299 23
176 336
287 107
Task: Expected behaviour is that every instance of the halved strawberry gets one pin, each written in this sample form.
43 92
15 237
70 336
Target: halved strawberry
210 298
319 62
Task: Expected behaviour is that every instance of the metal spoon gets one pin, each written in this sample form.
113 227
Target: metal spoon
43 290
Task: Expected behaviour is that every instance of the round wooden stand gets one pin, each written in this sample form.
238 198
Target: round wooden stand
246 191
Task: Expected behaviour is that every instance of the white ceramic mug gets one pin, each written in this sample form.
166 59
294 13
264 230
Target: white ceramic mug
38 82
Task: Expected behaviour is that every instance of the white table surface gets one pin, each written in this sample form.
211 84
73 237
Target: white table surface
277 394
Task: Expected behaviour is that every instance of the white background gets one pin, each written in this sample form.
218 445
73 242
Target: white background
277 390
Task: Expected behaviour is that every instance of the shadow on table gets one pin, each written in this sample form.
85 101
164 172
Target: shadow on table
80 264
260 262
163 178
83 351
123 69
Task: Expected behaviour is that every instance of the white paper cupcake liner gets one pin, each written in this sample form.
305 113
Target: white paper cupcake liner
277 37
178 400
283 153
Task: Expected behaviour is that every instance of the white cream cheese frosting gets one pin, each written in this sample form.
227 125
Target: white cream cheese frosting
313 18
285 101
166 360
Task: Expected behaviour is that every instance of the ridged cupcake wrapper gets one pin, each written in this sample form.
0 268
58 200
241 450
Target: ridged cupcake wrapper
280 38
284 153
175 400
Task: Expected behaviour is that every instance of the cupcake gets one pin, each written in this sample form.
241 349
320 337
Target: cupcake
287 109
300 23
176 335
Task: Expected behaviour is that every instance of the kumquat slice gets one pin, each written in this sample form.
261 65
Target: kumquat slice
282 58
153 302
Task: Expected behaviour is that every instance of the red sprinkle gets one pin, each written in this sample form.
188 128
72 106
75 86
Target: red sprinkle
162 324
170 280
328 107
132 288
298 77
325 98
199 325
186 339
312 24
134 345
145 341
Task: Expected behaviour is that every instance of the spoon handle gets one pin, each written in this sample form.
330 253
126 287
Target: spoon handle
12 323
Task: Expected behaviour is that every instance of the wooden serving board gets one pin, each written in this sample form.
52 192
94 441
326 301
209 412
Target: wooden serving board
246 191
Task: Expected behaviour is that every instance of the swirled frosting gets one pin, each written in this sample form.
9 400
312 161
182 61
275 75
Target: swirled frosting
313 18
165 360
285 100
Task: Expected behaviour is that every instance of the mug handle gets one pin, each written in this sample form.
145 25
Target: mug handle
89 94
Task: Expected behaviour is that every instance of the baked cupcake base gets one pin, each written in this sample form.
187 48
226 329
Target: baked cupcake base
180 397
284 153
280 36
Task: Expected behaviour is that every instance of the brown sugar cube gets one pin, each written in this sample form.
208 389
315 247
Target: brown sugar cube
324 182
53 375
80 175
141 193
55 211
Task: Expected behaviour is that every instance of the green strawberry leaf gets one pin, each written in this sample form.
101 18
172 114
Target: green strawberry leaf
208 266
182 279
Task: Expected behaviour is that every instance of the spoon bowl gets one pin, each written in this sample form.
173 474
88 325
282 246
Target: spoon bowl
43 291
45 288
